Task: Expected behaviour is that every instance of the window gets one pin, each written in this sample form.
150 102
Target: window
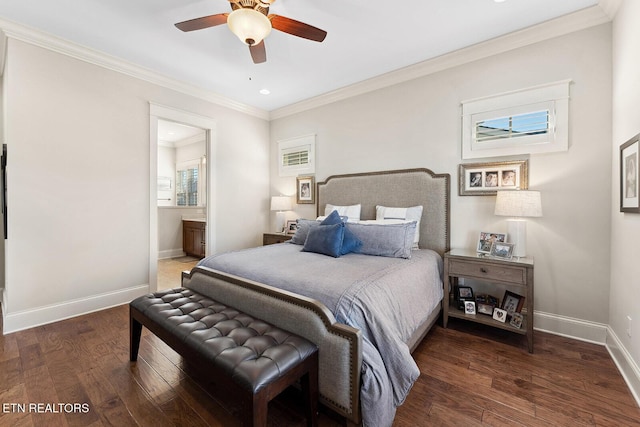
296 156
187 186
533 120
514 126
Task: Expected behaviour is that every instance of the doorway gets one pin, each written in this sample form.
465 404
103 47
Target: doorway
182 201
182 173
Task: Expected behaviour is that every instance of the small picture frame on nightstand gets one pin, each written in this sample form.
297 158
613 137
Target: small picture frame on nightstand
516 320
500 315
502 250
469 307
291 227
484 308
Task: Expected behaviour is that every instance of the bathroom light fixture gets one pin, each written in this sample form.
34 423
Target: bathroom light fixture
518 204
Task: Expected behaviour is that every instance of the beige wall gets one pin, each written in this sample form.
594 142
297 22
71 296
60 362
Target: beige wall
417 124
625 228
79 141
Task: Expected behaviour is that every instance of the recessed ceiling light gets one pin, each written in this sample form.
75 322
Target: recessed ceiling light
265 91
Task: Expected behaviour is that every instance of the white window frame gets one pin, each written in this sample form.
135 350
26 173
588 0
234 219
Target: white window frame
553 97
303 143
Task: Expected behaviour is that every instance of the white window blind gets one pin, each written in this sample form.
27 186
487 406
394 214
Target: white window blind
518 125
295 158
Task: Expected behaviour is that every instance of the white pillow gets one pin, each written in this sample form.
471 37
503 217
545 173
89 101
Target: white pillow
352 212
402 214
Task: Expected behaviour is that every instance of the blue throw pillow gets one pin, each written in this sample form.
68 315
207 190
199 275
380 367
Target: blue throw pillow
350 242
325 239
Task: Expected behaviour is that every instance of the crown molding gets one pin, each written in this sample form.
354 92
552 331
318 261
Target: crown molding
582 19
610 7
9 29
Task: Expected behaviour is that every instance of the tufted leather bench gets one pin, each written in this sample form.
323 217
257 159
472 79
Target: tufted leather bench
246 356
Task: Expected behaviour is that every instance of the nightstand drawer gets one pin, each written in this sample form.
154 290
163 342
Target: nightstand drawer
485 271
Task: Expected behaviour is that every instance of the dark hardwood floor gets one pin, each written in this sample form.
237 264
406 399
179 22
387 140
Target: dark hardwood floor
470 376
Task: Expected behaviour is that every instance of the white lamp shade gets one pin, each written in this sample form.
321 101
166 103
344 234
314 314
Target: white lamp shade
518 203
249 25
280 203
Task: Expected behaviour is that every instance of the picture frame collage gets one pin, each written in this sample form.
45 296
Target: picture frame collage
485 179
509 311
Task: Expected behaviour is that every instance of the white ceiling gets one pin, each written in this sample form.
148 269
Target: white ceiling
170 133
365 38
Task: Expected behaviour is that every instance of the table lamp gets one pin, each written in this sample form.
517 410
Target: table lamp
280 204
518 204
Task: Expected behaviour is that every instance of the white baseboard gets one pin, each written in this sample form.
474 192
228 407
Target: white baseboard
625 363
171 253
597 333
570 327
26 319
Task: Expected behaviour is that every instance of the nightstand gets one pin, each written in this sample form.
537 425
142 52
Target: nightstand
515 275
272 238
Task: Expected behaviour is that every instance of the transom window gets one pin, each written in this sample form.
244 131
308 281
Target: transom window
536 123
534 120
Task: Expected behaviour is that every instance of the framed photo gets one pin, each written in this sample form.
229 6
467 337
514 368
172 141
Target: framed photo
469 307
499 314
629 197
516 320
485 179
512 303
502 250
487 240
465 292
291 227
484 308
305 190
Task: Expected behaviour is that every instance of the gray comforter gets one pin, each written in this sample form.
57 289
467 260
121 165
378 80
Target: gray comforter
386 298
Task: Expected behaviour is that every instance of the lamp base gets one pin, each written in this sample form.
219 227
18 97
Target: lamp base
517 230
280 221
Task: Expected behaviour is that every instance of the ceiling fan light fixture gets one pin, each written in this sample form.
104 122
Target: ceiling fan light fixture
249 25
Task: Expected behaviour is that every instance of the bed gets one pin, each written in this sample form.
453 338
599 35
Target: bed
368 312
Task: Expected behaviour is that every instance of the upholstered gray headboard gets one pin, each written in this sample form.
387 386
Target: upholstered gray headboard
397 188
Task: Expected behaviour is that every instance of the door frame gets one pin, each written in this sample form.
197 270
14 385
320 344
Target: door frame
162 112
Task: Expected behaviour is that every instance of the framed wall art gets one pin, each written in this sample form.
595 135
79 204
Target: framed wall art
629 200
485 179
305 190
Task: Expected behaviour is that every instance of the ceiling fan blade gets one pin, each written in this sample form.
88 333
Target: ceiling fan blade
204 22
297 28
258 53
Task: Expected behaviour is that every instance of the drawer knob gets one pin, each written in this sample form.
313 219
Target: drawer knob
482 269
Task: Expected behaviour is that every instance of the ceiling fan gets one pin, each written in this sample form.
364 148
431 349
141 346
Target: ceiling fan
251 22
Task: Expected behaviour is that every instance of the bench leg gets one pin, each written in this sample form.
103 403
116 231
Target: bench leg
135 331
310 392
257 407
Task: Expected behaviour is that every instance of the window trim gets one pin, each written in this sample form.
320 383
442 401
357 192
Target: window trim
301 143
552 96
